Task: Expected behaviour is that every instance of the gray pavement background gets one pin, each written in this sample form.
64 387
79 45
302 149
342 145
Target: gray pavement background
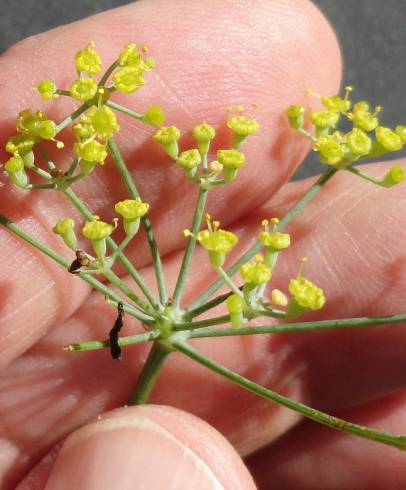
372 34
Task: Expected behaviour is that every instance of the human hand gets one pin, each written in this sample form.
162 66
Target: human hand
208 57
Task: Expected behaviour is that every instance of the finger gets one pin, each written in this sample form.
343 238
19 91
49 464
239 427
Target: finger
294 460
147 447
326 370
195 81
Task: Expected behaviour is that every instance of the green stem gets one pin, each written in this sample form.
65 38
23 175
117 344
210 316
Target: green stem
86 213
209 305
124 110
40 186
107 73
187 256
310 193
73 166
198 330
132 189
360 322
226 278
398 441
71 118
105 344
366 177
149 374
122 286
41 173
202 323
94 283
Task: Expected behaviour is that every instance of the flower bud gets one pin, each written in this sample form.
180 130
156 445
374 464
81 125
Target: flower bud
203 134
15 170
132 210
394 176
231 160
295 115
168 137
65 228
235 305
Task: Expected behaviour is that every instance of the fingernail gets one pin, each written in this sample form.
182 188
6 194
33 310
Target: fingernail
127 453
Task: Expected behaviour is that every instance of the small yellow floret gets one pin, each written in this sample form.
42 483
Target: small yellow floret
231 159
255 272
278 298
128 79
92 151
63 226
243 125
203 132
154 115
14 164
88 60
83 89
47 89
306 293
388 139
394 176
331 149
358 142
132 208
167 135
324 119
235 304
295 115
189 159
98 230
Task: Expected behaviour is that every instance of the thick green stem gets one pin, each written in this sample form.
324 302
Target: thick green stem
149 374
94 283
132 189
133 273
311 192
398 441
187 257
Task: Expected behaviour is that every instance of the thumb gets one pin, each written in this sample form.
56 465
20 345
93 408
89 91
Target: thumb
148 447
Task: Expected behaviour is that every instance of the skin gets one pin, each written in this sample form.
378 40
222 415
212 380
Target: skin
353 233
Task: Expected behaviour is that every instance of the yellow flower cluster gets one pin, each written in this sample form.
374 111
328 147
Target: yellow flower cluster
366 139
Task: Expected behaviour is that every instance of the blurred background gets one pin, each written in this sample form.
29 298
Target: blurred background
372 34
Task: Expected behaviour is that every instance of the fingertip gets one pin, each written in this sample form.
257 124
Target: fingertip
150 447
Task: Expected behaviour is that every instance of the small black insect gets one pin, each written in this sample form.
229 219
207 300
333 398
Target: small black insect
80 261
115 349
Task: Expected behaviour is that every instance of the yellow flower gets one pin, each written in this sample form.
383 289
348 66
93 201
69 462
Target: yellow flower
216 241
132 208
255 272
168 137
273 239
128 79
88 60
189 159
305 293
235 305
65 228
390 140
47 89
331 148
83 89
